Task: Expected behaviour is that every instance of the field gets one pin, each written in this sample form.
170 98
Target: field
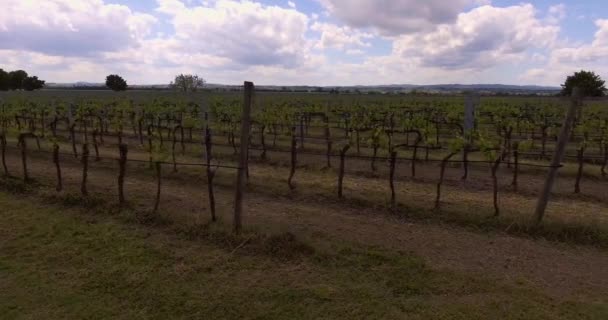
341 215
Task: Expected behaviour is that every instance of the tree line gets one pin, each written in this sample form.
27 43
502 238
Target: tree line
19 80
182 82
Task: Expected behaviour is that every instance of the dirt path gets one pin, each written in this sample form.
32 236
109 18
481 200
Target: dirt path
562 271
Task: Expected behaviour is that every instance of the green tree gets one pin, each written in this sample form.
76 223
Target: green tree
16 78
590 83
187 83
32 83
4 80
116 82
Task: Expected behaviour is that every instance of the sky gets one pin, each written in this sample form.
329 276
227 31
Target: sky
314 42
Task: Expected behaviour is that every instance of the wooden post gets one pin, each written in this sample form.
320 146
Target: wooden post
243 156
3 147
516 166
210 172
23 144
444 162
329 142
85 169
157 168
558 156
95 145
123 149
581 161
341 172
301 131
59 186
294 158
471 104
392 178
73 138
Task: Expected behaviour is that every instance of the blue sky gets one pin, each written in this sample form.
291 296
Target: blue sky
315 42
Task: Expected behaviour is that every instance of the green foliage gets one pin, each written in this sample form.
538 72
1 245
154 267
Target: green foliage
378 139
456 144
488 146
526 145
32 83
4 80
588 82
188 83
16 79
159 152
116 82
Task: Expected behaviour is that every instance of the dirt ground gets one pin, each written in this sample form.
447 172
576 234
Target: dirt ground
564 271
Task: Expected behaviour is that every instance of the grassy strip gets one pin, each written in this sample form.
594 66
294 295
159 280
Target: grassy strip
319 185
58 263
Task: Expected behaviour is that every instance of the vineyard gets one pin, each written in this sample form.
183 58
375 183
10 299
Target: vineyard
412 156
261 205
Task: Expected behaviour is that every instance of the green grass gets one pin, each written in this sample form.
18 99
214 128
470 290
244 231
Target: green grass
59 263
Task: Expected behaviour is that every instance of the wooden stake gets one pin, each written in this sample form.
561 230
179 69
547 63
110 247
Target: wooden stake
341 172
123 149
157 167
23 144
294 158
210 172
392 178
243 156
560 150
3 147
57 167
85 169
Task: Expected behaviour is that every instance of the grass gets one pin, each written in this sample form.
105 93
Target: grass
414 201
64 263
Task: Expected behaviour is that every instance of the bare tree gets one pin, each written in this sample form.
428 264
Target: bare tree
187 83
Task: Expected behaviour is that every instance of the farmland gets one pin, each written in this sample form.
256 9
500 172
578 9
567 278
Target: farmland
388 183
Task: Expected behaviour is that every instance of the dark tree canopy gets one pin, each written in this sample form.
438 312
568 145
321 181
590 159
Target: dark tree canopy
19 80
187 83
16 79
590 84
116 82
32 83
4 80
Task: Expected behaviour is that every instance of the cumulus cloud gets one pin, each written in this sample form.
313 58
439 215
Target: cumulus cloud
70 28
246 32
393 17
480 38
333 36
228 41
556 13
566 60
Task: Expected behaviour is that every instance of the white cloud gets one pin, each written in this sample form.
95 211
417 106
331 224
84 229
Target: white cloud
556 13
566 60
228 41
70 28
392 17
355 52
245 32
482 38
333 36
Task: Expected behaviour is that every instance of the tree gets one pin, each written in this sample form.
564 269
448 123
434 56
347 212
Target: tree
32 83
187 83
4 80
116 82
590 84
15 79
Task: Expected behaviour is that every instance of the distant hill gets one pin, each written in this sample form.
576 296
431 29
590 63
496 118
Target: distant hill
390 88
